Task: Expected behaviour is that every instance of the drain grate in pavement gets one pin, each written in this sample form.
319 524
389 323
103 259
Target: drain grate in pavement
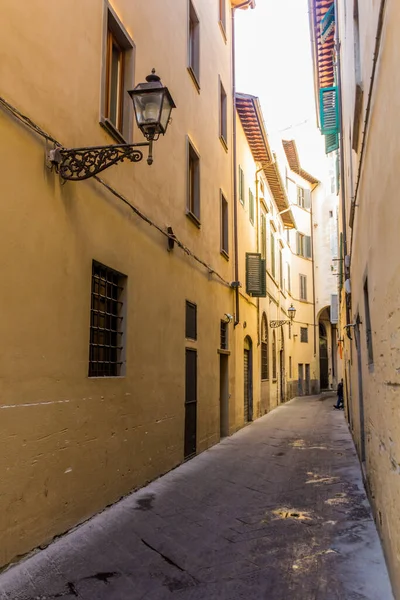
290 513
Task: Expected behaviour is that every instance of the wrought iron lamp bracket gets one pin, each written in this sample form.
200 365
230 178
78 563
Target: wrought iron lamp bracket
275 324
78 164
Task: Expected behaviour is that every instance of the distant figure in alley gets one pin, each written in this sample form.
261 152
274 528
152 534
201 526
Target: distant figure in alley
339 403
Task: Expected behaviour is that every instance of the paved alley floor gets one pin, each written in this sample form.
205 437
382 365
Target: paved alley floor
275 512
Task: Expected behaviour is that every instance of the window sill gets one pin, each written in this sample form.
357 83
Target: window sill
195 220
194 79
225 254
223 30
113 131
265 380
224 352
223 142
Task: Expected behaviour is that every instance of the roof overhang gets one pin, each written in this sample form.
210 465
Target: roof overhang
250 114
292 156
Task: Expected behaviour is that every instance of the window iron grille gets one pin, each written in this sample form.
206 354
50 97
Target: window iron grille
224 335
106 334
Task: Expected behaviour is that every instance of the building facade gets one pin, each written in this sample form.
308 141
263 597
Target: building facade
355 55
140 302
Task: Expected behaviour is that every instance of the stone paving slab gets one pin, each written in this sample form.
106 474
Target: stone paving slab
276 512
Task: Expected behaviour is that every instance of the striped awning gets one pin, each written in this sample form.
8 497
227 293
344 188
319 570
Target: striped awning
249 111
292 156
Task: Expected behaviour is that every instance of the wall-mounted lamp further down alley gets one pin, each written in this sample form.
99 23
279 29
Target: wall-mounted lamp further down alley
153 105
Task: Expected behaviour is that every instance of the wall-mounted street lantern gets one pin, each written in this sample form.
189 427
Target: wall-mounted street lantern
292 314
153 105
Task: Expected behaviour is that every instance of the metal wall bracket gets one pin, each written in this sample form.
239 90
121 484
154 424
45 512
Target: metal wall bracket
275 324
78 164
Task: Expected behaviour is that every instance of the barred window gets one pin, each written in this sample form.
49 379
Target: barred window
106 319
274 355
304 334
224 335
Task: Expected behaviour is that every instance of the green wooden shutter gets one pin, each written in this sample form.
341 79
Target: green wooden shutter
263 237
251 207
256 278
329 107
327 24
297 243
331 142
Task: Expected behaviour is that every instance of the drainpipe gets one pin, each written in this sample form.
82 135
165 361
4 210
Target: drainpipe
313 272
341 147
235 199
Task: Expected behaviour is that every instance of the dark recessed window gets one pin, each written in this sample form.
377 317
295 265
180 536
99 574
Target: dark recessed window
304 334
194 44
193 200
264 348
118 76
106 319
191 321
223 115
273 355
224 226
224 335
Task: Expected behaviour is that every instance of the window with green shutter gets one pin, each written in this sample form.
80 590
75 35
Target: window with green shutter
303 245
303 287
329 107
256 278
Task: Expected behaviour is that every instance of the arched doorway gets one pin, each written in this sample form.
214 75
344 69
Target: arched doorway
248 379
323 357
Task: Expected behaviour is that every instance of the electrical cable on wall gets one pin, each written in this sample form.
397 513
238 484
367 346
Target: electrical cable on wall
39 131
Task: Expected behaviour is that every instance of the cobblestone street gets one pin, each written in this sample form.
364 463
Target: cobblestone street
276 512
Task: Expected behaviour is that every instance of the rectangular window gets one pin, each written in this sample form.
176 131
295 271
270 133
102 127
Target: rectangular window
290 367
223 115
191 321
251 207
262 189
241 185
303 287
281 269
289 279
224 335
222 15
303 245
368 329
300 196
193 192
273 260
224 226
118 77
194 45
304 335
263 236
106 319
256 278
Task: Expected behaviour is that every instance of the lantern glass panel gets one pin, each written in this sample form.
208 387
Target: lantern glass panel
148 108
166 112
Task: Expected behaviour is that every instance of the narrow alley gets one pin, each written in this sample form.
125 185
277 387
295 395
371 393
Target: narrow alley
275 512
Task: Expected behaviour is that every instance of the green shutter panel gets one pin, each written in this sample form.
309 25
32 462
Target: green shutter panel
329 107
307 198
331 142
256 279
297 243
327 24
307 243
